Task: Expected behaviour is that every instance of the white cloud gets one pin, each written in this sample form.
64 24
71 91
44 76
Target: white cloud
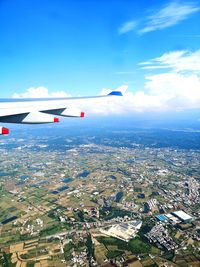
169 15
178 61
128 104
127 27
179 84
177 88
39 92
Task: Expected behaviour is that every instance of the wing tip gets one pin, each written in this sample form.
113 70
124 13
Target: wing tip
115 93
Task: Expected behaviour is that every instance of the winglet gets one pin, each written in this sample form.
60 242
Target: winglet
116 93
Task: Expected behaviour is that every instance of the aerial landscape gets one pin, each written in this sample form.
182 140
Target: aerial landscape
119 194
117 182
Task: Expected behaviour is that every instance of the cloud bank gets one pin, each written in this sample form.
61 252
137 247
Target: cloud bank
40 91
176 88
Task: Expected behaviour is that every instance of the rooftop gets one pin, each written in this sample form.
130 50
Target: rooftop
182 215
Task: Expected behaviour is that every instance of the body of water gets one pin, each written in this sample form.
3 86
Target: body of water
119 196
83 174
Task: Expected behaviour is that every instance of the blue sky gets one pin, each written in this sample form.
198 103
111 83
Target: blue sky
82 46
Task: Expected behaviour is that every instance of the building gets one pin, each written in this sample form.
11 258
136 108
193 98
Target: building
162 218
124 231
172 219
181 215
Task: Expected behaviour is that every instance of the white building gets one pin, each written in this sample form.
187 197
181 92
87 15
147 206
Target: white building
184 217
124 231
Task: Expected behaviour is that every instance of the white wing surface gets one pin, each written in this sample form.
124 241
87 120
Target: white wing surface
37 111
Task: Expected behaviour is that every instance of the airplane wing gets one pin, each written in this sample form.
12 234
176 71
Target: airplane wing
37 111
